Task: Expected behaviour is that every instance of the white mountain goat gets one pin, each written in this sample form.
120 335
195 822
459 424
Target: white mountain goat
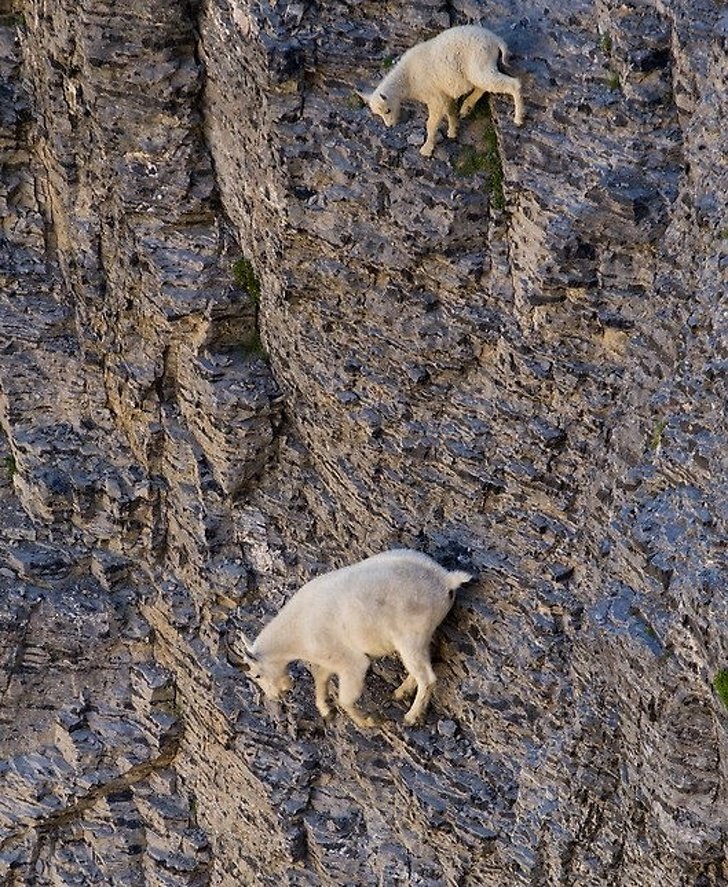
460 60
388 603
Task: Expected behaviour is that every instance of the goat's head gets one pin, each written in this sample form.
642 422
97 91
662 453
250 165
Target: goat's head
270 675
384 106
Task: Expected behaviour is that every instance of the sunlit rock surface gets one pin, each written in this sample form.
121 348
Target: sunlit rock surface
248 334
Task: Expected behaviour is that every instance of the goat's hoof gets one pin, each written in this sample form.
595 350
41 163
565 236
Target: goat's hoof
452 135
362 720
426 150
412 720
368 722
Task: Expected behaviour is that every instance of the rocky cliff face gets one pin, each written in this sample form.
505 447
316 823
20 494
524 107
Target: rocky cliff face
248 334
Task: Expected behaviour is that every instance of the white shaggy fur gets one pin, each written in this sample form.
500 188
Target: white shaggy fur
460 60
388 603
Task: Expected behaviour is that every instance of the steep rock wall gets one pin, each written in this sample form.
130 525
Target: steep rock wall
531 385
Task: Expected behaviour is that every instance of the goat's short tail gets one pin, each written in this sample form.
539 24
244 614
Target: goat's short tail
503 51
456 578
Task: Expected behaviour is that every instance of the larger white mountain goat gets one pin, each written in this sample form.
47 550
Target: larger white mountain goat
336 623
460 60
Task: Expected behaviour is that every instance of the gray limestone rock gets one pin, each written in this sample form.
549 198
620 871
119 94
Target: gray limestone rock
248 334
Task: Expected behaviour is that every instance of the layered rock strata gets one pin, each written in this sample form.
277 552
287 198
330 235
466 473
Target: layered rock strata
248 334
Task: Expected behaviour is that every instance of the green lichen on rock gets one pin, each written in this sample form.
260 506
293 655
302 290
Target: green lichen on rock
613 82
355 102
245 278
252 347
720 685
12 20
470 160
656 439
605 44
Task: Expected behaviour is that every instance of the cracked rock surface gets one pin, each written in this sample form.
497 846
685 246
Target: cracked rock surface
248 334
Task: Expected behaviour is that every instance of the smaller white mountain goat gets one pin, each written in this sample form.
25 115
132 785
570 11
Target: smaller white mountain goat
388 603
460 60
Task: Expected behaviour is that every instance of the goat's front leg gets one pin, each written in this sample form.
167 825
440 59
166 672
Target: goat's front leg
321 677
351 686
435 114
452 119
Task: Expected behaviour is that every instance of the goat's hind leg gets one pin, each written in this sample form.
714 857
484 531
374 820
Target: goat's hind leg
471 101
406 688
417 663
495 81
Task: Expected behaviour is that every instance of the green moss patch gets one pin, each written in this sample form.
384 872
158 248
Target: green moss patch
245 278
12 20
613 82
720 685
487 160
10 467
252 346
657 433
